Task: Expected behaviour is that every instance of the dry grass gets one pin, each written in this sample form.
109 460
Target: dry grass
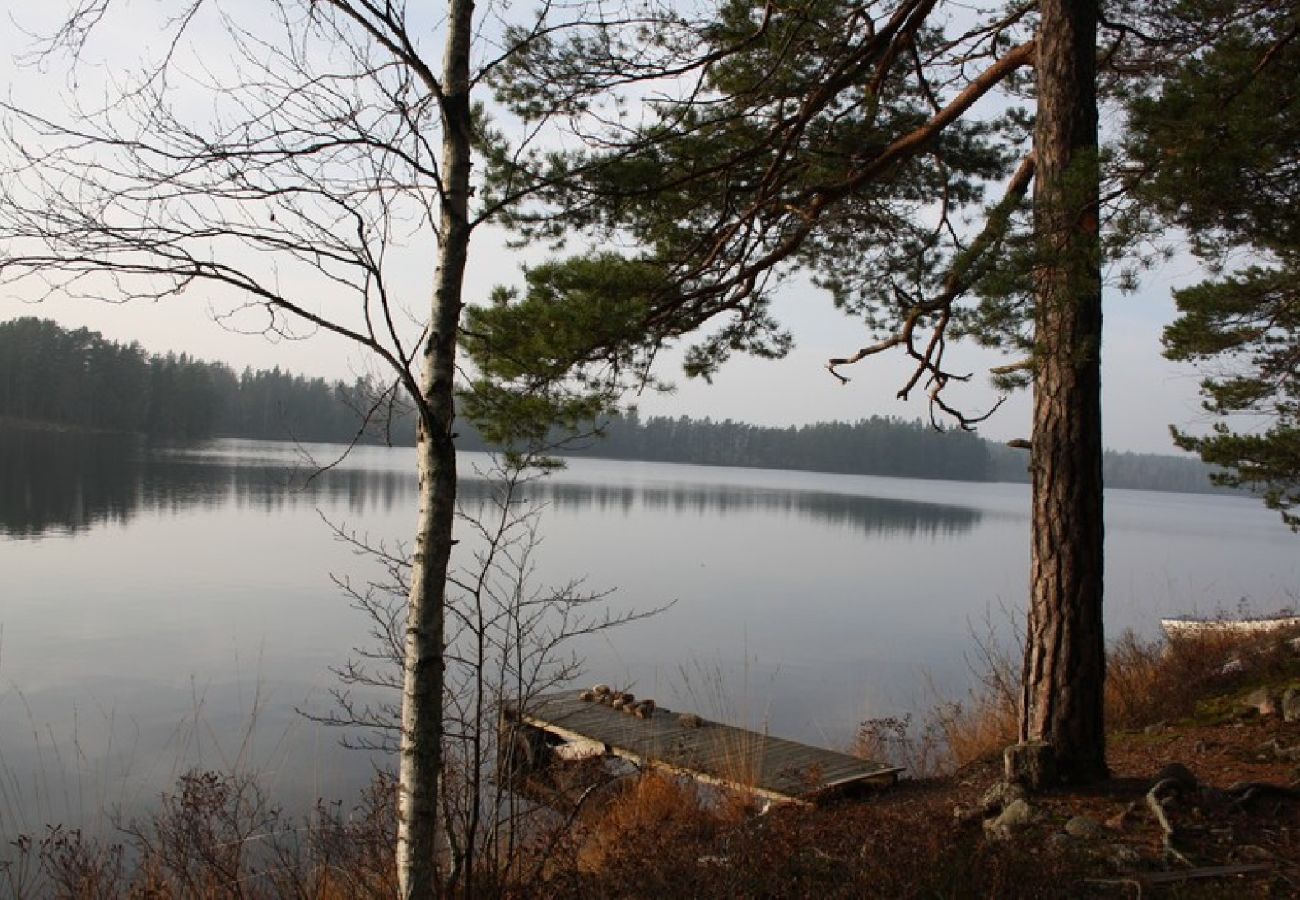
903 844
655 835
216 837
1147 682
645 814
954 734
659 840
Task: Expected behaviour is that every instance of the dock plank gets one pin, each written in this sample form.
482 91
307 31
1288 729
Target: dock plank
748 760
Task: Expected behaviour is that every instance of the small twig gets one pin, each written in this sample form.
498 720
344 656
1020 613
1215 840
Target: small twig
965 271
1156 801
1205 872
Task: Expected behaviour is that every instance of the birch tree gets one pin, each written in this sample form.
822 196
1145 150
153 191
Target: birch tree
296 163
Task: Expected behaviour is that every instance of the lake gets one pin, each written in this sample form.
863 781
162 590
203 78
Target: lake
165 608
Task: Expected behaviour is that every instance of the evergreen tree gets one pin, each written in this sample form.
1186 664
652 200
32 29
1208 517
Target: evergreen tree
815 136
1217 152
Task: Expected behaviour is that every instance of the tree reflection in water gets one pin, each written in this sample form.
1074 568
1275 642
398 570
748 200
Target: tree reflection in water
65 483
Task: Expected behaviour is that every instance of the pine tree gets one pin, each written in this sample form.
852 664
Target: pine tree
1217 152
814 137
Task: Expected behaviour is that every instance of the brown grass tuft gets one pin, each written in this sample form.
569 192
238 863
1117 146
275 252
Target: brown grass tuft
650 814
216 836
1147 682
1162 680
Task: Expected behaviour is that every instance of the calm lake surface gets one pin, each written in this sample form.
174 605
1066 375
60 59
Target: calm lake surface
162 609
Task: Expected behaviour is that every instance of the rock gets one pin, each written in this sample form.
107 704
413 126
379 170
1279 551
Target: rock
644 710
998 797
1001 795
689 720
1260 700
1083 828
1291 705
1017 815
1155 728
1123 856
1178 773
1232 666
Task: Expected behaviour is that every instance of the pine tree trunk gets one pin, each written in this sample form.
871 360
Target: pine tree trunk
422 697
1064 671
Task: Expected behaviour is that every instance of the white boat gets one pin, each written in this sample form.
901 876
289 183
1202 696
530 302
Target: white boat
1187 626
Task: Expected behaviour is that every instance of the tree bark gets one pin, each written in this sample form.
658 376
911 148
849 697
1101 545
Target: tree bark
1064 668
424 668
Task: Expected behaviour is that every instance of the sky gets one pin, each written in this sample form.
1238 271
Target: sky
1142 393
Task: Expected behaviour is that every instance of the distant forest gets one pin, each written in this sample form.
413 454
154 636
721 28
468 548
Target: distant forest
79 379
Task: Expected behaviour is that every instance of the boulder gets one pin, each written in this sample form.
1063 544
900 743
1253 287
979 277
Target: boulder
1233 666
1291 705
1001 795
1016 816
1260 700
1084 828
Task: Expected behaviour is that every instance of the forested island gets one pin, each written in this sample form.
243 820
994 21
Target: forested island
79 379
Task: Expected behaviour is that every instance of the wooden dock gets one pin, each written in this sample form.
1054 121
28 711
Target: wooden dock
736 758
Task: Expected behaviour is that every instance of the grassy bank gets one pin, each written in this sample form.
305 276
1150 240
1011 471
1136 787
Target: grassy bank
1201 803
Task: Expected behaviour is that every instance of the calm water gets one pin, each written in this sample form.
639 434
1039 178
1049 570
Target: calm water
161 609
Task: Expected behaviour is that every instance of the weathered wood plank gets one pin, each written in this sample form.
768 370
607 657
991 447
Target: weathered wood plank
773 767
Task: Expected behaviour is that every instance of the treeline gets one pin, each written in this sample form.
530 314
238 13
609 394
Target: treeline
1135 471
879 445
876 446
79 379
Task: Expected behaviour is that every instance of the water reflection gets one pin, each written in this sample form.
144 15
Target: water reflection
869 515
65 482
68 483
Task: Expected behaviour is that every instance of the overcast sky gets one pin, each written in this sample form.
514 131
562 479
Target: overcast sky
1143 393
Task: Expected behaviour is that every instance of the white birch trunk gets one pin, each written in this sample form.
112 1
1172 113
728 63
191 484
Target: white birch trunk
422 696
